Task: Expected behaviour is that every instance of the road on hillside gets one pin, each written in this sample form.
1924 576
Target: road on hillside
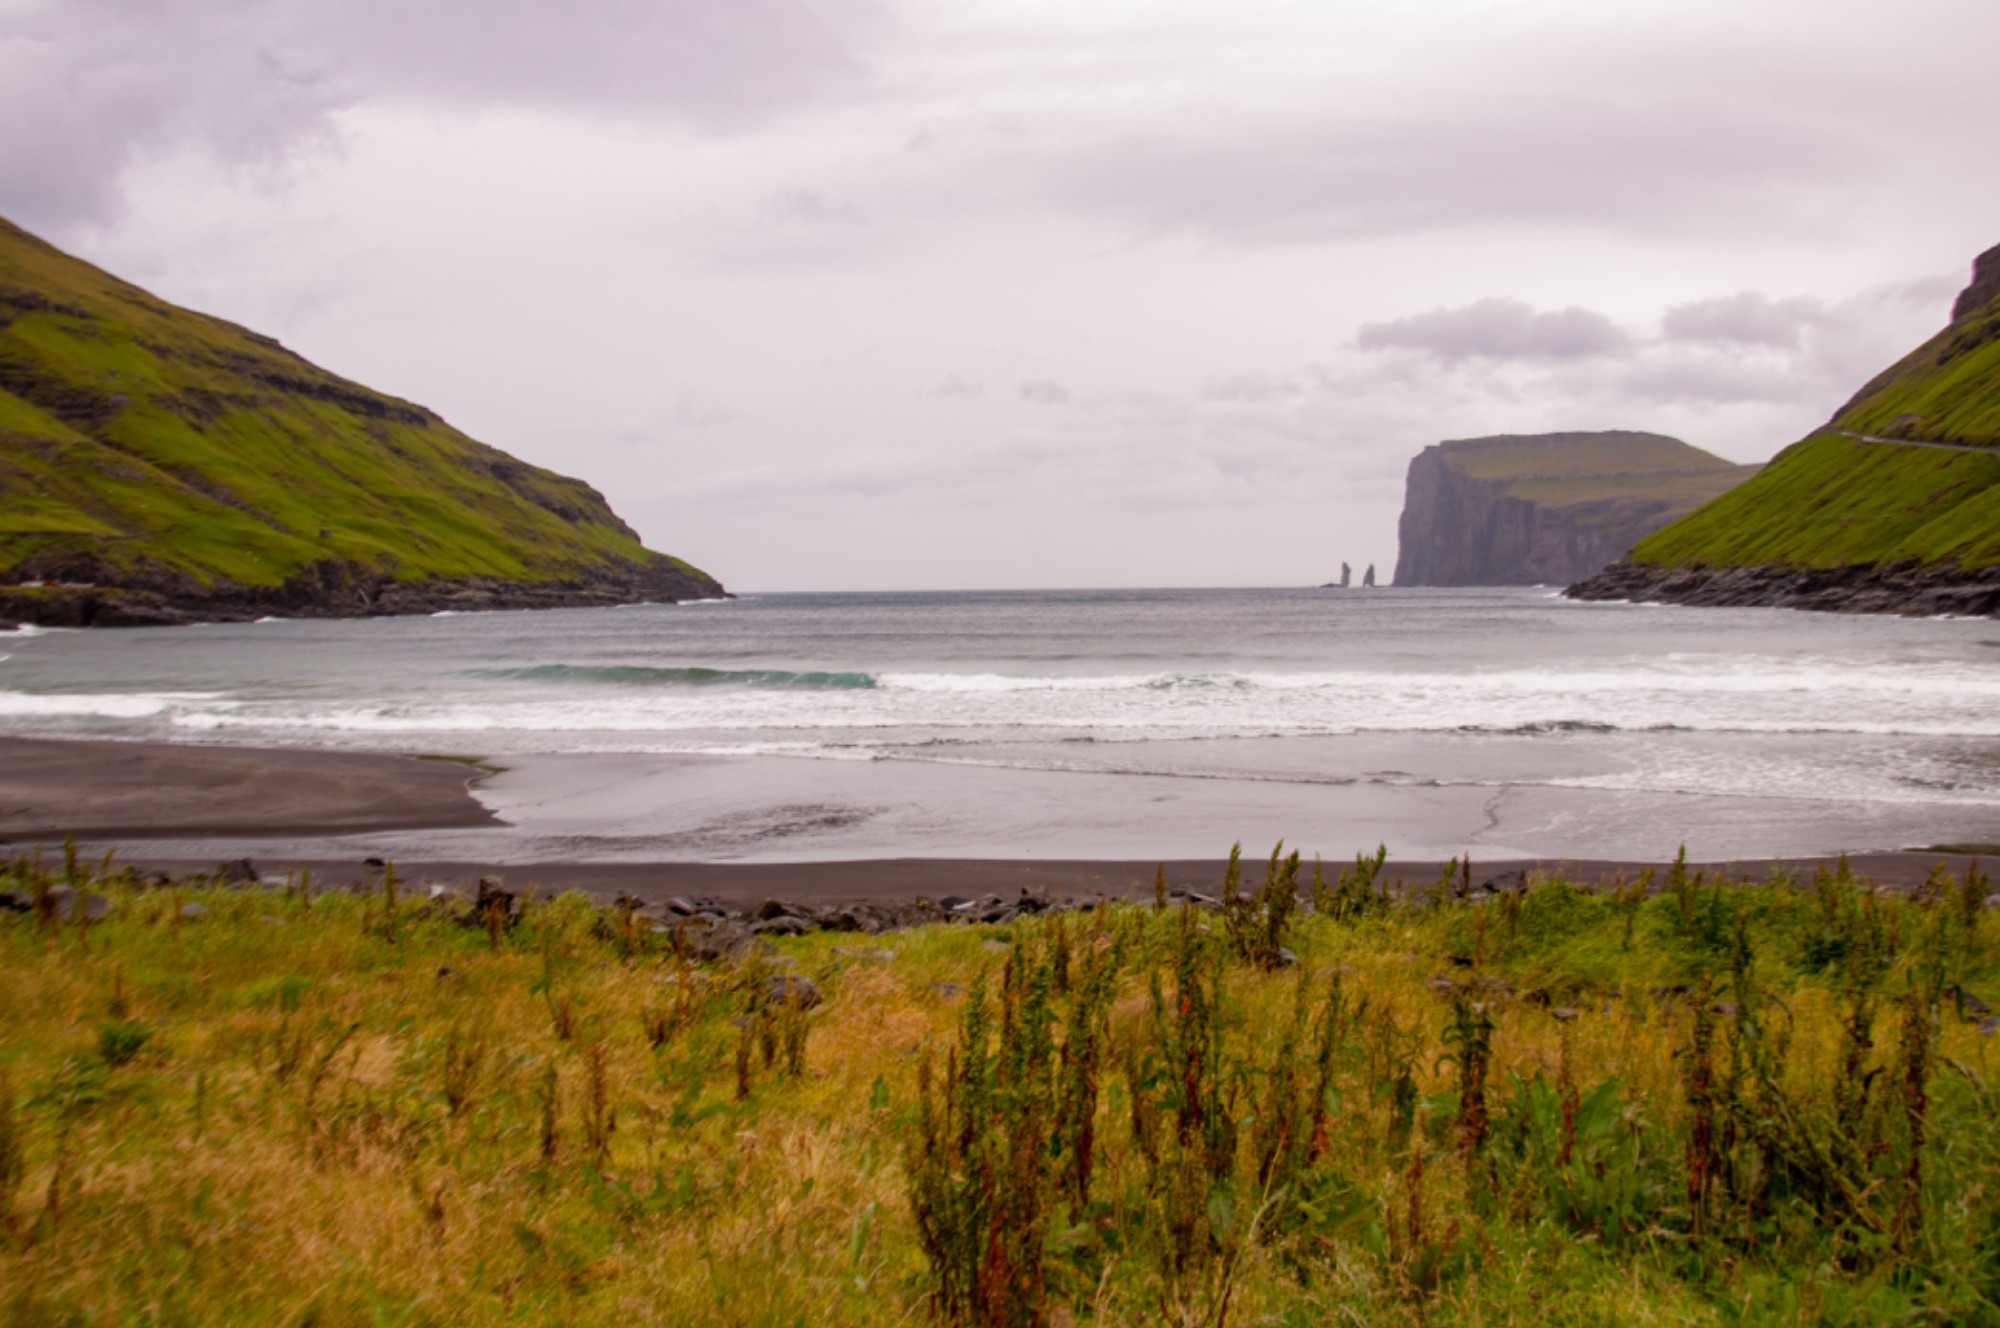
1912 442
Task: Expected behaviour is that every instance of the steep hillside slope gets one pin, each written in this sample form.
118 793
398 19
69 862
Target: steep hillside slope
1894 506
169 466
1545 509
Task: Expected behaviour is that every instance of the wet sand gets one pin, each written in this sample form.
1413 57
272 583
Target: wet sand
135 790
125 794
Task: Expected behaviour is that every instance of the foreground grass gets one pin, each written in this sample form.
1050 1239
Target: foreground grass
294 1110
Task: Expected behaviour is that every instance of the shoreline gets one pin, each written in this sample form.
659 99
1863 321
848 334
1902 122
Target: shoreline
1909 589
895 881
121 795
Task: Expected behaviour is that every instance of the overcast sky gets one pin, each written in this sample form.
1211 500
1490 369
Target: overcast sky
850 294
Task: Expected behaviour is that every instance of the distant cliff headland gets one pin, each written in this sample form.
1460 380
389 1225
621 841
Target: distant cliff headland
1545 509
162 466
1892 507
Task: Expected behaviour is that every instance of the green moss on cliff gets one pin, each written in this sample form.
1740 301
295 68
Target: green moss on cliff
1947 390
1838 500
1834 501
145 444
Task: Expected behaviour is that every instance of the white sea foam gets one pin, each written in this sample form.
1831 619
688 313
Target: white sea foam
1942 703
132 705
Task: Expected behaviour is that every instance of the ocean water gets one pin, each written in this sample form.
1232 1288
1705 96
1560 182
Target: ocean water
1107 723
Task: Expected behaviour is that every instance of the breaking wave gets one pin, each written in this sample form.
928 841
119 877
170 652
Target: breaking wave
634 675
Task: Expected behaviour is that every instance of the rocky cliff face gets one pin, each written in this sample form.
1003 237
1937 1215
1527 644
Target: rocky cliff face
1985 287
1545 509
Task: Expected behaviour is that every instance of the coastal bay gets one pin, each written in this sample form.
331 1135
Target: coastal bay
1115 726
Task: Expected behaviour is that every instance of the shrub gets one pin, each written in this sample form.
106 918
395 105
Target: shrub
979 1165
1259 923
119 1041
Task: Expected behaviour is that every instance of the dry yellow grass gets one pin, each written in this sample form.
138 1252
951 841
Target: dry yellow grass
331 1122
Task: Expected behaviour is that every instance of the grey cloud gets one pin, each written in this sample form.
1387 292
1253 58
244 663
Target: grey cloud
1045 392
697 410
1251 387
1714 380
1341 430
89 86
1671 167
716 63
980 473
1676 125
1500 329
1798 356
86 87
797 228
805 207
1748 318
954 386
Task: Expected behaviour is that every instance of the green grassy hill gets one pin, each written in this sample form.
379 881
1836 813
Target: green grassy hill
1833 499
1581 470
187 467
1894 505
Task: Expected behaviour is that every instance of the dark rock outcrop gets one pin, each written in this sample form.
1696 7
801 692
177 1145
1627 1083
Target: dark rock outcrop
1909 588
1985 287
74 597
1545 509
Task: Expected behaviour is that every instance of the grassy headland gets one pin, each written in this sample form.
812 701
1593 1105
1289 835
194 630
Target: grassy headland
1545 508
1708 1103
1835 501
1899 493
181 459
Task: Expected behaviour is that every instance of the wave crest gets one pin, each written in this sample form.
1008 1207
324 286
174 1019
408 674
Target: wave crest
639 675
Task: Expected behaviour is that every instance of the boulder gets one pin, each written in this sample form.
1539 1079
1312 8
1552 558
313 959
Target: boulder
240 872
782 987
721 941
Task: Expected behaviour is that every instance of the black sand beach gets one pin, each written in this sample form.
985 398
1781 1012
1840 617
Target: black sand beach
131 792
135 790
